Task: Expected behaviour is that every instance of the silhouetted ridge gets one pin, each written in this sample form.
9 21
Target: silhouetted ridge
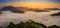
55 9
16 10
6 8
0 12
42 11
56 14
12 9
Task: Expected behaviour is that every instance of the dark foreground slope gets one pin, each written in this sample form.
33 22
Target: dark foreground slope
30 24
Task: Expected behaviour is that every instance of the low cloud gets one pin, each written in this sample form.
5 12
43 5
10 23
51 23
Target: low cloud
39 17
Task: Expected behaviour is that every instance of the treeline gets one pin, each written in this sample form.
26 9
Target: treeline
30 24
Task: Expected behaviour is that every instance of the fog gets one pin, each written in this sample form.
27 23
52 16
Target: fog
40 17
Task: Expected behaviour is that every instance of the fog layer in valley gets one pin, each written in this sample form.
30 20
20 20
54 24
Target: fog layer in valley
40 17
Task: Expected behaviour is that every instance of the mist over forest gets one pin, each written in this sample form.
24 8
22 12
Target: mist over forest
47 16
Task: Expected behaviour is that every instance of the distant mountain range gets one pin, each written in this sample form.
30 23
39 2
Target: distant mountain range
0 12
53 9
12 9
56 14
23 9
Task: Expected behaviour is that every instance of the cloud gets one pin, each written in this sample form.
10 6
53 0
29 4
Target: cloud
39 17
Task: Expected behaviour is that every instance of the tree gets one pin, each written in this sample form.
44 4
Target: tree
11 25
28 24
53 26
20 25
32 24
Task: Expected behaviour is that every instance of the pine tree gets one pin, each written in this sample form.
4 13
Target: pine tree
53 26
20 25
11 25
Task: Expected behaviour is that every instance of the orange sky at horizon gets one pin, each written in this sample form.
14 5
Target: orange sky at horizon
35 5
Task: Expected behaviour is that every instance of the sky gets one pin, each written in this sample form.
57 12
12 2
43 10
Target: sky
3 1
32 3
